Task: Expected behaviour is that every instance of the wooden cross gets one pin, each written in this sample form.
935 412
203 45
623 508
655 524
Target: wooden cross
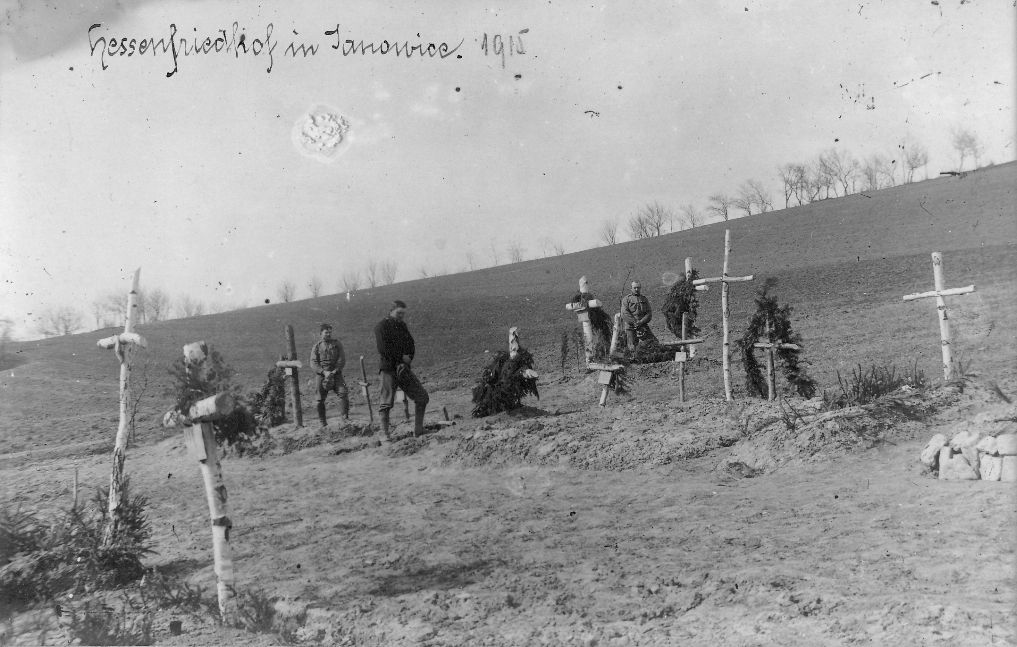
697 288
684 354
771 345
124 346
582 310
365 387
199 437
724 279
292 365
944 321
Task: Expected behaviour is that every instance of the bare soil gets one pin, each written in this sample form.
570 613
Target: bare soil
647 522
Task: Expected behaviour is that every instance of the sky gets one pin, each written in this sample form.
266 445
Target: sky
204 179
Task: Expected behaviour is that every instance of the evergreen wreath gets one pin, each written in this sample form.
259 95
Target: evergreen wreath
767 309
212 377
504 383
681 299
268 406
601 323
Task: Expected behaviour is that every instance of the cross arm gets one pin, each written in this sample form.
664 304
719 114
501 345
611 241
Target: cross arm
940 293
779 345
289 363
688 342
123 338
724 279
578 307
211 408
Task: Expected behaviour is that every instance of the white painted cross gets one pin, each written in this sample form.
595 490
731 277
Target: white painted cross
771 345
724 279
199 437
124 346
582 310
944 320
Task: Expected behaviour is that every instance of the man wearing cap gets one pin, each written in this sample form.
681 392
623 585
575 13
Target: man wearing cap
328 359
396 348
636 312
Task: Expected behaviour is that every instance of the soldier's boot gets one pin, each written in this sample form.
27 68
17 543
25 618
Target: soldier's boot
418 423
344 406
383 416
321 414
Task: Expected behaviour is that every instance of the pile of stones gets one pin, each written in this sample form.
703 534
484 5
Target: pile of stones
983 448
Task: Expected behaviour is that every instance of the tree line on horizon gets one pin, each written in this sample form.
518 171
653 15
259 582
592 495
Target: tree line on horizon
831 174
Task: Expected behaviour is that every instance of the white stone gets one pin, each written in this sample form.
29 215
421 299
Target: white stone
954 468
931 452
1006 445
1009 471
965 438
970 454
990 467
987 445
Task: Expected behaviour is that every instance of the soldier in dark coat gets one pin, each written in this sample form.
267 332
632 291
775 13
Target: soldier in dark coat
396 350
636 313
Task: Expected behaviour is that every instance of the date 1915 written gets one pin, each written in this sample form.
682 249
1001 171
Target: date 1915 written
497 45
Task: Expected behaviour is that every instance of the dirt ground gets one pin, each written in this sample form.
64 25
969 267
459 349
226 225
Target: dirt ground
647 522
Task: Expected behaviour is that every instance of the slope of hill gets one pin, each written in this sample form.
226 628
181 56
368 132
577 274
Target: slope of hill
843 265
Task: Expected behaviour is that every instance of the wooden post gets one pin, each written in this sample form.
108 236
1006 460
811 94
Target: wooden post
944 321
513 342
683 355
199 436
698 288
124 346
724 279
292 368
770 345
771 376
365 387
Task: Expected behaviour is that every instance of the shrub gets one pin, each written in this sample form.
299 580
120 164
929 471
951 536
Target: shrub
211 377
682 299
95 623
773 322
40 562
268 406
865 386
504 383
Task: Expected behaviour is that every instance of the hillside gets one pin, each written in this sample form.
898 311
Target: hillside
843 264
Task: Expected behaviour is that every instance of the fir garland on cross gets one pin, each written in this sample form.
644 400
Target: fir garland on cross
504 383
778 330
682 299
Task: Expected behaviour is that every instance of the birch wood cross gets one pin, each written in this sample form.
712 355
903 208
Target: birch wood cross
724 280
199 437
582 310
944 321
124 345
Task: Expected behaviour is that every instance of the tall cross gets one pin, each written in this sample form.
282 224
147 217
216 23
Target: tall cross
724 279
123 346
944 320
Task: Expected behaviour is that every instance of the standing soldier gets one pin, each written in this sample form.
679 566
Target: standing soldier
328 359
636 312
396 348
